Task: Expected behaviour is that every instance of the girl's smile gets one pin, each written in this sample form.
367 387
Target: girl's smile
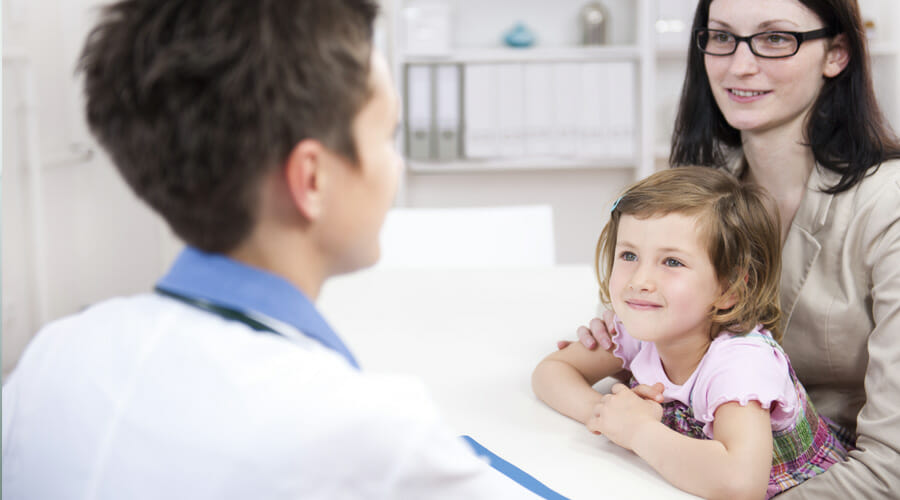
642 305
663 284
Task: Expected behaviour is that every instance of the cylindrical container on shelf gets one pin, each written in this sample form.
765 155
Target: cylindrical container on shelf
594 20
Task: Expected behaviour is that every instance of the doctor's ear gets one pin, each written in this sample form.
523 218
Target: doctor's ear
304 174
838 56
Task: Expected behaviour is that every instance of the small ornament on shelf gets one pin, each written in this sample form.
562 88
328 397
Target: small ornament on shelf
519 36
594 20
871 32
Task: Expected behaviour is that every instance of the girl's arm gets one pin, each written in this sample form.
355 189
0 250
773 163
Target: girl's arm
735 465
564 379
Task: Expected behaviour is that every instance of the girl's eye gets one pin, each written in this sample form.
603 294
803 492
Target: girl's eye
629 256
672 262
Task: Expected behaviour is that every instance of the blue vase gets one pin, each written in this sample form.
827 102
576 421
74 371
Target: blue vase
519 36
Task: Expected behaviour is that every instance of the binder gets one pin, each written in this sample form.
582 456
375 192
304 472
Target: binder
418 111
539 110
595 129
566 101
623 108
480 111
511 112
447 110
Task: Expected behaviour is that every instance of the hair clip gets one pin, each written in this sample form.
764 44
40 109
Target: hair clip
616 204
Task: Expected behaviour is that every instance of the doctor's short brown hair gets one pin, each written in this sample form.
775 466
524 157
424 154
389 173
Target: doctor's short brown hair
196 100
743 239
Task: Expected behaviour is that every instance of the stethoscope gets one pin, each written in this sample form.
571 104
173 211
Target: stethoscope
255 321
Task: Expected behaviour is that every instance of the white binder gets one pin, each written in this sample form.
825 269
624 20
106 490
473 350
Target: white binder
511 110
623 108
539 110
480 111
595 120
418 112
566 100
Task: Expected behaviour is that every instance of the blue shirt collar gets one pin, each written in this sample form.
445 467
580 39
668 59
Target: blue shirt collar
227 283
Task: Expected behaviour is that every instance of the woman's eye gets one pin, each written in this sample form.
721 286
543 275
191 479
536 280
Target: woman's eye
629 256
672 262
775 39
721 37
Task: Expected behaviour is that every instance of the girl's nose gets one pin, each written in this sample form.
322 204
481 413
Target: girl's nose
642 279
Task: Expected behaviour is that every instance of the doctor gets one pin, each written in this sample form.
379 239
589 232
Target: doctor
263 133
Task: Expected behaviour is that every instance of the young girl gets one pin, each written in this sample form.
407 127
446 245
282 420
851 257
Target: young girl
691 262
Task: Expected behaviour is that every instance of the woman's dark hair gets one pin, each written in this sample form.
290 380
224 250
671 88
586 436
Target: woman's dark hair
845 129
196 100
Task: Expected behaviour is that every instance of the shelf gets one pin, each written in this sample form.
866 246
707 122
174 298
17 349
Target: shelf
671 53
520 164
474 46
537 54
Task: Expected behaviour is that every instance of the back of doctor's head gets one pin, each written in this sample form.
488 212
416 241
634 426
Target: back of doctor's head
743 238
196 100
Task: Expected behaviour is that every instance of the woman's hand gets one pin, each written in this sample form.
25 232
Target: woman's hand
620 415
599 332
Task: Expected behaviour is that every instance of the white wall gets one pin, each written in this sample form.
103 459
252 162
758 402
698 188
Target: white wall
72 233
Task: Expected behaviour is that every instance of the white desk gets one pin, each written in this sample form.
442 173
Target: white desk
474 336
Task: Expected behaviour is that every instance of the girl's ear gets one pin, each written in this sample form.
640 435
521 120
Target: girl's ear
838 56
731 295
727 300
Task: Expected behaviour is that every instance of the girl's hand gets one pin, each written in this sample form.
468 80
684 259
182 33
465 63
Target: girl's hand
620 415
652 392
599 332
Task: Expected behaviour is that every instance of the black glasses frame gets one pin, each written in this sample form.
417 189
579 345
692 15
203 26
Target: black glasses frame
801 37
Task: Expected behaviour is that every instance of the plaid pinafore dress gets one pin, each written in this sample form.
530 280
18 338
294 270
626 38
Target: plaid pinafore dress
802 450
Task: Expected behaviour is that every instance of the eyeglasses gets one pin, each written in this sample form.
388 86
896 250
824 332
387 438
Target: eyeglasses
768 44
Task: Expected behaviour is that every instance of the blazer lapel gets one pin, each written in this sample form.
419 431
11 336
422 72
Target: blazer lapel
801 249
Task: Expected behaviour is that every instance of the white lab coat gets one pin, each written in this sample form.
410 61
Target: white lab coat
149 398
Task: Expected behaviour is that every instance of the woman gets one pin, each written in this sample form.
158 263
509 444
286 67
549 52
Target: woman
779 92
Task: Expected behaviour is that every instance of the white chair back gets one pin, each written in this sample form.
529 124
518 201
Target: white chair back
515 236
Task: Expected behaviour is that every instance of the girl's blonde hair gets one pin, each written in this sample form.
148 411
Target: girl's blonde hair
743 239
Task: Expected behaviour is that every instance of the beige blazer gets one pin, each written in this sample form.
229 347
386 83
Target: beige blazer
840 294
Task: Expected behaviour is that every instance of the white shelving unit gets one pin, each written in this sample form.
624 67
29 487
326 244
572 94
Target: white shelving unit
557 43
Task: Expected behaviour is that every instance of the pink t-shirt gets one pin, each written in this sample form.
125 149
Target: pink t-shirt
735 368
